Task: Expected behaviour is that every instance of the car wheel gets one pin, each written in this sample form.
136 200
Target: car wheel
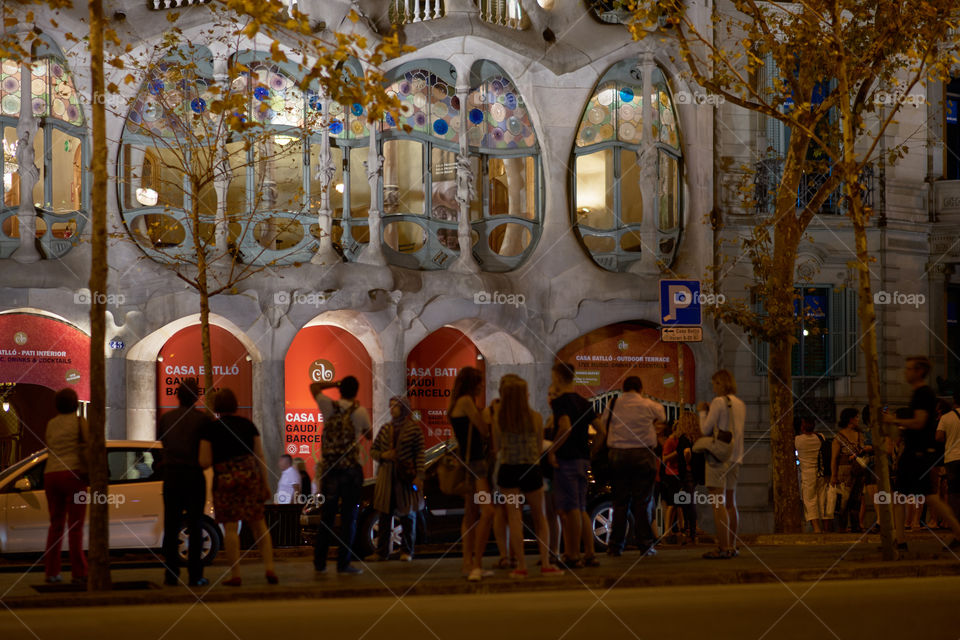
601 520
211 542
371 532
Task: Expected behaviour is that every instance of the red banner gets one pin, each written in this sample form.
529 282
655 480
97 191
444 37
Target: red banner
432 367
320 353
606 356
39 350
181 357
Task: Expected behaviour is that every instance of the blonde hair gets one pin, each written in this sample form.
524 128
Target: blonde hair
514 413
728 386
688 424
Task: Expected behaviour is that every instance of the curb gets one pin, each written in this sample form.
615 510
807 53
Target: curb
493 586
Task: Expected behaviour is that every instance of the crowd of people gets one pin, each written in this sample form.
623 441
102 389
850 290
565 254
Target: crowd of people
839 478
510 450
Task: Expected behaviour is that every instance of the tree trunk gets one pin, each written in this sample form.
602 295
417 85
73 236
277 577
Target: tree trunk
200 248
99 549
786 504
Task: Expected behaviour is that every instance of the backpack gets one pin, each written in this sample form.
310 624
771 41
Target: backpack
824 457
338 442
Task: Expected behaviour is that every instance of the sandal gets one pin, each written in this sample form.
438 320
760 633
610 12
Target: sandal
272 578
502 563
591 561
518 574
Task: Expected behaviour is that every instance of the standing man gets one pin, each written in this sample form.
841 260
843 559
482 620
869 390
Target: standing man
632 440
345 423
570 455
288 488
184 485
919 457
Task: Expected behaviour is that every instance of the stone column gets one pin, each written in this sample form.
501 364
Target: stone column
373 253
325 173
466 181
647 164
28 173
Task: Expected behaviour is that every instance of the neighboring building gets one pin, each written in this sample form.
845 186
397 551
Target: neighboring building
585 196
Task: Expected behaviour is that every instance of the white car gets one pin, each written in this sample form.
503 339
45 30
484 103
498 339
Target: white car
135 504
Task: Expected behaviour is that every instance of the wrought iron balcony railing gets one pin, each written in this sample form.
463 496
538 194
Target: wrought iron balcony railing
769 174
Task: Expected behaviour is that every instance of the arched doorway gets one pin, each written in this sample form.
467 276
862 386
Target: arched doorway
181 357
320 353
39 355
432 367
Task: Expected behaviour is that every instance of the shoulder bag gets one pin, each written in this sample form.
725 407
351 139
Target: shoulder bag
452 474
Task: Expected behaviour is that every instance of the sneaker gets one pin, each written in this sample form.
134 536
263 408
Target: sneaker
374 557
476 575
54 579
650 552
200 582
405 557
350 570
551 572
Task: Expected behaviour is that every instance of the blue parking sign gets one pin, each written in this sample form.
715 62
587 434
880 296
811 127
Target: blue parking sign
680 302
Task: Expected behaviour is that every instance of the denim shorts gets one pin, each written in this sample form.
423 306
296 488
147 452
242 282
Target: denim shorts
570 485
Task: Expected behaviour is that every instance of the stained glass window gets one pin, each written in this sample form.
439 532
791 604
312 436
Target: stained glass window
498 116
428 105
275 97
9 88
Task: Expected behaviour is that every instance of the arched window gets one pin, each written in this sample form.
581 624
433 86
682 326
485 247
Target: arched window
419 204
59 195
271 190
609 169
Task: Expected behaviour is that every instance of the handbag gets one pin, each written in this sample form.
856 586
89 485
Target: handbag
720 444
452 473
726 436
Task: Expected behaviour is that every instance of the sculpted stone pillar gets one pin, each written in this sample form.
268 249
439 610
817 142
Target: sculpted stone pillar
647 165
325 173
466 182
373 253
29 175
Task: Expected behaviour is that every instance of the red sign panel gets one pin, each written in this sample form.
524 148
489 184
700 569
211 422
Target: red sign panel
432 367
320 353
605 357
39 350
181 357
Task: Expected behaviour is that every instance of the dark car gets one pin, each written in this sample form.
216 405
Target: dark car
439 521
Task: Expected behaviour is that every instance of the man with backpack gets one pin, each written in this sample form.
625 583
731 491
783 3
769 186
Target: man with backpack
813 453
345 423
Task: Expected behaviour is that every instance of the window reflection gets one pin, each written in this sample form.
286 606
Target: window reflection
403 177
595 189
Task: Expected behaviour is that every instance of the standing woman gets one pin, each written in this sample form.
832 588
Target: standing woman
399 450
691 469
469 426
231 445
845 471
67 439
518 436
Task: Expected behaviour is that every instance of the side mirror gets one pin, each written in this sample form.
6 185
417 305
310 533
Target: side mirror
22 484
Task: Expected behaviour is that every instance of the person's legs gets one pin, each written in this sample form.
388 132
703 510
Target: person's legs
57 506
385 532
231 544
76 513
730 503
536 501
264 543
331 493
173 506
484 524
350 489
500 533
641 487
936 504
515 524
408 535
196 495
468 534
553 522
619 484
899 520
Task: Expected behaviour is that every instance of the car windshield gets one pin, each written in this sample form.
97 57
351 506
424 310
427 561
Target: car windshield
20 465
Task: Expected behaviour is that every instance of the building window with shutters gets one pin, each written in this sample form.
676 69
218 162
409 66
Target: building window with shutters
826 336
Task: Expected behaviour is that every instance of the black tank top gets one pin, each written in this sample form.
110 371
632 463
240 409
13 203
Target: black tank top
477 445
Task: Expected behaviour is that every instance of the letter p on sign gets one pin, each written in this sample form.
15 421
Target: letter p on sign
680 302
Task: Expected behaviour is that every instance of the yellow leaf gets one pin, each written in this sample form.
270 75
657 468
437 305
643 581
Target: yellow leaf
353 16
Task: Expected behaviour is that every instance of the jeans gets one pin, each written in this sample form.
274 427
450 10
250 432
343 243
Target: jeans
184 491
408 537
61 488
341 490
633 473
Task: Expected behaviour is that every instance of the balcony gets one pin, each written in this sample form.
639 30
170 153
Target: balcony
766 181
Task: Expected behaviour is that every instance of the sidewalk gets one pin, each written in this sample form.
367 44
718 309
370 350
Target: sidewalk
762 559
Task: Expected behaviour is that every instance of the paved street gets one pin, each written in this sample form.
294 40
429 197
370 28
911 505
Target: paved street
902 609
